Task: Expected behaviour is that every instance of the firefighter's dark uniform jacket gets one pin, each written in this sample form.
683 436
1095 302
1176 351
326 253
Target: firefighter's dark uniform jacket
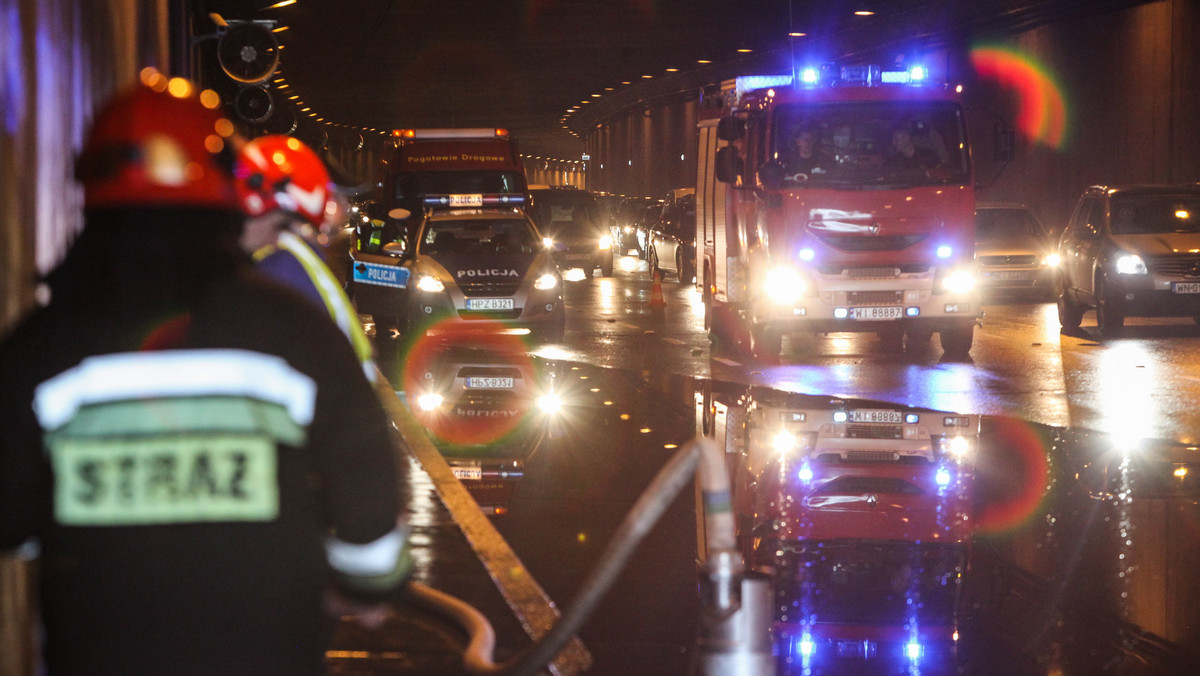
197 454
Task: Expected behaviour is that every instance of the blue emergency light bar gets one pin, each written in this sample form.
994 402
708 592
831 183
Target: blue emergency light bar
868 75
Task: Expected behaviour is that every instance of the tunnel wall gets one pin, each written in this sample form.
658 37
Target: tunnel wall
59 57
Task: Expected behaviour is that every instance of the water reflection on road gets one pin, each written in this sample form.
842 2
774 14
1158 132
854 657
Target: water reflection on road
1068 551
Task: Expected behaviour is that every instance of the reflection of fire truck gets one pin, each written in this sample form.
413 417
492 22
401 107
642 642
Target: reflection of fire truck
841 202
863 511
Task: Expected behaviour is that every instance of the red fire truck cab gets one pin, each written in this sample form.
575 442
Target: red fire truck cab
840 200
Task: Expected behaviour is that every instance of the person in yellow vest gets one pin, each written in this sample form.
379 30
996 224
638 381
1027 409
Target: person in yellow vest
286 193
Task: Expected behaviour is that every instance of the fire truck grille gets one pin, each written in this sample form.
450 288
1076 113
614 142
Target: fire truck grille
1024 259
874 297
871 243
488 289
864 431
874 273
865 455
1176 266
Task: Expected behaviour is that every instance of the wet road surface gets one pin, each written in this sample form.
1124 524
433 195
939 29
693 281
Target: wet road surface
1087 524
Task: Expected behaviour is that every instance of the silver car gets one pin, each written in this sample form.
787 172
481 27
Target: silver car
1014 252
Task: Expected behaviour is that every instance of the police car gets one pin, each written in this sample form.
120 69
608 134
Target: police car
467 263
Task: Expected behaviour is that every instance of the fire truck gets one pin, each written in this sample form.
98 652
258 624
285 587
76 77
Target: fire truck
840 199
863 513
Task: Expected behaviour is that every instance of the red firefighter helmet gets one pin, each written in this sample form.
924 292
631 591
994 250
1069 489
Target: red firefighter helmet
163 143
280 172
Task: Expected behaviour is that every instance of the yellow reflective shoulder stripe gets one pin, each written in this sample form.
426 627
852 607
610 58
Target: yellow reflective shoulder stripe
336 302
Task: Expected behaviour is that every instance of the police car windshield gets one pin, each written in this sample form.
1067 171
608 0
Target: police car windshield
478 237
1155 214
868 144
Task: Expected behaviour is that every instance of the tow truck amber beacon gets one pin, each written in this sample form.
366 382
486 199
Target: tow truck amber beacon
839 200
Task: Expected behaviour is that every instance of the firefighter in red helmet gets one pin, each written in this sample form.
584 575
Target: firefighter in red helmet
191 473
289 199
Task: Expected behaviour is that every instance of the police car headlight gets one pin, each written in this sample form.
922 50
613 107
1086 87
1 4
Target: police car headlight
430 284
545 282
606 241
783 285
959 281
1131 264
429 401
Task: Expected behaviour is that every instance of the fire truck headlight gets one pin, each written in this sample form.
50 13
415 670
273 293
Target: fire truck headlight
959 281
545 282
606 241
783 285
430 284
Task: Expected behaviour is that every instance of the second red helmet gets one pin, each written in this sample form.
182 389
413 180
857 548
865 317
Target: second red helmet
281 172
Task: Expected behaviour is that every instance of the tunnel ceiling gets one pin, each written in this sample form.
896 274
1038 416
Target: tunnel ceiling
384 64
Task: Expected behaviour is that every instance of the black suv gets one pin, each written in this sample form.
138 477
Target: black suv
1131 251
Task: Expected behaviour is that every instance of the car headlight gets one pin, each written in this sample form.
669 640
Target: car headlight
431 284
545 282
1131 264
429 401
548 243
606 241
959 281
1051 260
783 285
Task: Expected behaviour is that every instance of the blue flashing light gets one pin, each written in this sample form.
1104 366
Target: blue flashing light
810 75
807 254
944 251
913 651
912 418
806 646
943 476
912 311
747 83
917 73
805 474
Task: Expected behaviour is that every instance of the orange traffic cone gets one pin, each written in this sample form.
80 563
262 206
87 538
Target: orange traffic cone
656 294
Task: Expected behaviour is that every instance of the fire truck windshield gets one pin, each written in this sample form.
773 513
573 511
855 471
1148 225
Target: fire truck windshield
876 144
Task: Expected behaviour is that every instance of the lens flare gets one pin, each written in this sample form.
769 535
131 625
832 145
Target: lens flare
1021 476
1042 114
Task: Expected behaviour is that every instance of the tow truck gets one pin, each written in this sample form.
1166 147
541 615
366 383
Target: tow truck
863 240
